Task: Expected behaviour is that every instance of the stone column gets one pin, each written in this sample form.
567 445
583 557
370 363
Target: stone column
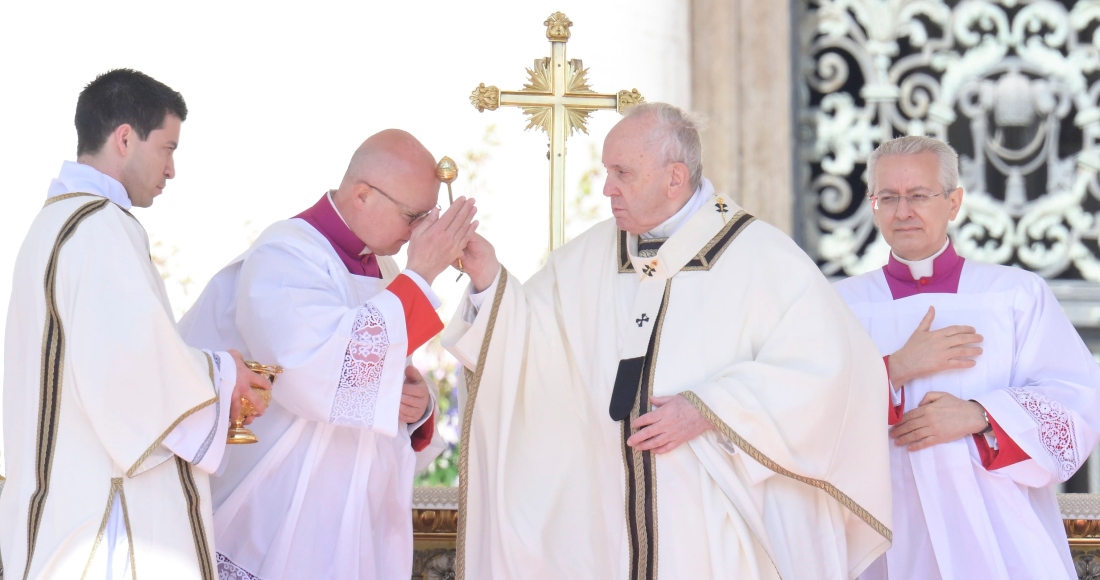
741 82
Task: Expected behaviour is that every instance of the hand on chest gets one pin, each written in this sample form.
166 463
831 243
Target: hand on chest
891 325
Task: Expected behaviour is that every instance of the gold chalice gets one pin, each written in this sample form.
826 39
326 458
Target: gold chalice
238 433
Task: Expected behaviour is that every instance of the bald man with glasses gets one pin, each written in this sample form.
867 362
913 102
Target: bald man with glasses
994 395
326 492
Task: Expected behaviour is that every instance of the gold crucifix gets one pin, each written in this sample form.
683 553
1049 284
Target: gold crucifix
558 100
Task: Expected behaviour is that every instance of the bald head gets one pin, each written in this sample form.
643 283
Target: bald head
391 150
390 179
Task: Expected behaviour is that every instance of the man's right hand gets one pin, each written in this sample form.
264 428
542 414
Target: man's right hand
928 352
479 260
247 379
438 241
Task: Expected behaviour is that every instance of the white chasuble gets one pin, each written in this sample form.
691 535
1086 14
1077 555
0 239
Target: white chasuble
106 408
955 517
327 491
792 482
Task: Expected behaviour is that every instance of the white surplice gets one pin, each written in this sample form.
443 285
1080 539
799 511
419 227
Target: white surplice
953 518
327 491
793 480
112 493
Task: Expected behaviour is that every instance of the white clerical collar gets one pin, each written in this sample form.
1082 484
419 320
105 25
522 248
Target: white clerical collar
366 250
672 224
78 177
922 268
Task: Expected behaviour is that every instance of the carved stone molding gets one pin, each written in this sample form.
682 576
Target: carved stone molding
433 521
1079 506
435 564
1087 564
435 518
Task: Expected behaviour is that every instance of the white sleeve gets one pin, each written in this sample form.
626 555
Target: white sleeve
477 299
895 394
342 365
1051 407
200 438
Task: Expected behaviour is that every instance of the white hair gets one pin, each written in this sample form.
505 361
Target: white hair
676 133
914 145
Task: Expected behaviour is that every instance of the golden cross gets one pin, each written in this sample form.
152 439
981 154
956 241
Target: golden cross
558 100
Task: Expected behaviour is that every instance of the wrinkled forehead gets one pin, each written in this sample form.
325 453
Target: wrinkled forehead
628 141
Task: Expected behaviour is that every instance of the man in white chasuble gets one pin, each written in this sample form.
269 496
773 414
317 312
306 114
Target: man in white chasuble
994 396
111 422
679 393
327 491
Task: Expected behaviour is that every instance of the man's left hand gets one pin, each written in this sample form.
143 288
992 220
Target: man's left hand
414 396
674 422
940 418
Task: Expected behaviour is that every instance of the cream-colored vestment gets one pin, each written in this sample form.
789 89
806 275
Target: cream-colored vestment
793 481
101 400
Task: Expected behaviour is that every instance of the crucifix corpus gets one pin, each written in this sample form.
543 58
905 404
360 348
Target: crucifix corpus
558 100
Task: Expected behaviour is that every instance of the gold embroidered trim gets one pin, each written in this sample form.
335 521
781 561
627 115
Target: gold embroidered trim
646 543
649 390
706 257
129 533
115 484
53 200
191 411
766 461
210 370
50 380
194 514
714 249
473 382
149 451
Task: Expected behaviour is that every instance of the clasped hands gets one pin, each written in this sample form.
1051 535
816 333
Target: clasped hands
940 417
439 240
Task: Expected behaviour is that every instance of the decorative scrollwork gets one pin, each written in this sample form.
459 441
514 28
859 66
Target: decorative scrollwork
1086 564
1013 86
626 99
435 521
557 27
434 564
1082 528
485 98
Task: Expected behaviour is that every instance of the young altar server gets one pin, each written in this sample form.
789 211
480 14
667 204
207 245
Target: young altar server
110 420
679 393
327 491
994 395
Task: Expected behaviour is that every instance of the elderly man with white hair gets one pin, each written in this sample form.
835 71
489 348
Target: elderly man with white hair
678 389
983 425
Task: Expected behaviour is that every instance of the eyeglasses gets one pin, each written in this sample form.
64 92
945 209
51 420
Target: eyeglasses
890 201
406 211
